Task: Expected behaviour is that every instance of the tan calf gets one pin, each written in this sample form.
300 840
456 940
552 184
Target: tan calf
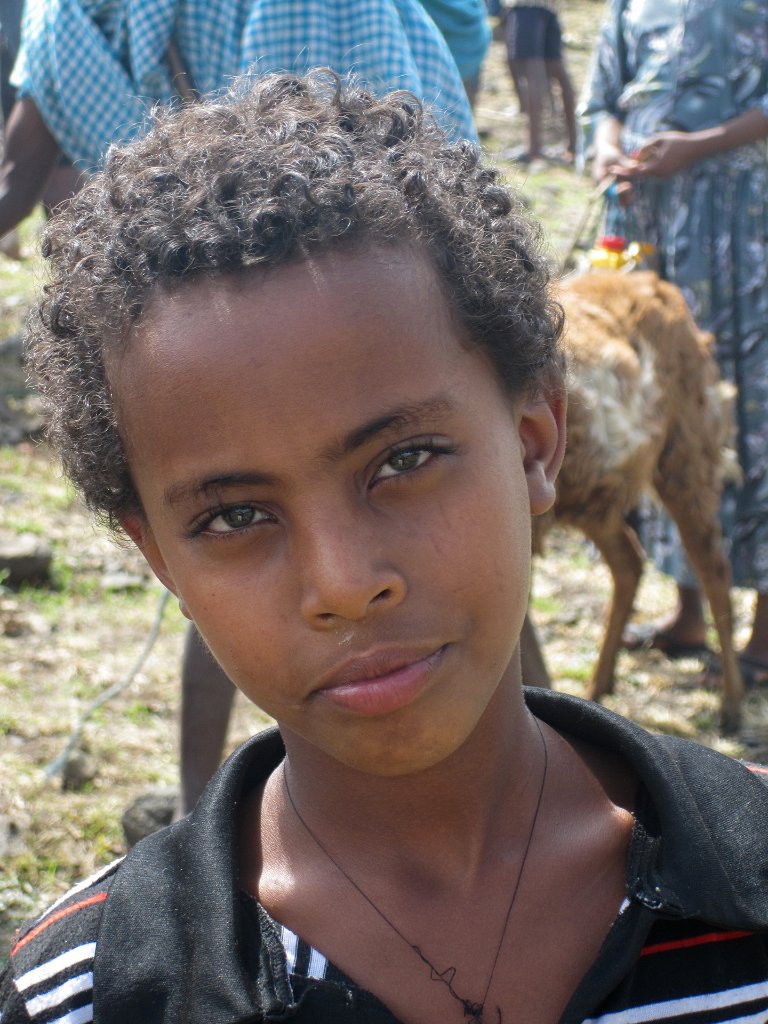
647 412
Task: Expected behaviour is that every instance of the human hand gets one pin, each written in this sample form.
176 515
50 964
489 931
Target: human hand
663 155
608 173
607 156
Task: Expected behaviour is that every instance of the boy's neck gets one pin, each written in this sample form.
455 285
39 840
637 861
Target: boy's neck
455 814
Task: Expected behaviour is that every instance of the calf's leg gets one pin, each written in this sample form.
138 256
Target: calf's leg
618 544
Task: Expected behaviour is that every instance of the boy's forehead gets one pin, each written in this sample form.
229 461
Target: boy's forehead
314 277
332 315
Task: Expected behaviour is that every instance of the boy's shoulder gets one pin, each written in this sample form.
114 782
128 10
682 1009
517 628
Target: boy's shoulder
168 911
49 976
700 843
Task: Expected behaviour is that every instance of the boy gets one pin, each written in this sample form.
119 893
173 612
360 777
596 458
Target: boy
121 52
301 349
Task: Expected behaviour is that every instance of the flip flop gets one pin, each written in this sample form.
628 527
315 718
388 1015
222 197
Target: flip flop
754 671
648 636
518 155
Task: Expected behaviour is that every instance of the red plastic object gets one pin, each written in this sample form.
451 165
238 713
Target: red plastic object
613 243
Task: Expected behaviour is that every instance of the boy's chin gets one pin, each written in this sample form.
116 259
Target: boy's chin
392 749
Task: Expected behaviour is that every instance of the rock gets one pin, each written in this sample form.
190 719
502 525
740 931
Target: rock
14 627
148 813
79 769
115 581
21 412
15 622
24 558
10 245
12 349
11 838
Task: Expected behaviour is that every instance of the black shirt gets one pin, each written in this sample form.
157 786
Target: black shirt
170 938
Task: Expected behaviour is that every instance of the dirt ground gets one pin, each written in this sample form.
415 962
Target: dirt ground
61 645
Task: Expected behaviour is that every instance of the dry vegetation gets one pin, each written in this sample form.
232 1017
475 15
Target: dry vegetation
60 646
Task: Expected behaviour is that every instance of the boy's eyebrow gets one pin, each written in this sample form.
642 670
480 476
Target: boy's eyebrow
187 490
399 418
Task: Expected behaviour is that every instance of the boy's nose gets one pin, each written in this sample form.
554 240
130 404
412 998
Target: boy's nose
345 577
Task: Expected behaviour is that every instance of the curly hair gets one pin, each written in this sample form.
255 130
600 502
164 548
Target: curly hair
274 172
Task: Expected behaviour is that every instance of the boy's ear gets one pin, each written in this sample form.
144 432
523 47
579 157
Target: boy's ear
138 529
542 433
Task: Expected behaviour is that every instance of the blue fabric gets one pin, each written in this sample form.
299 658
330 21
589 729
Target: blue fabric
95 67
464 24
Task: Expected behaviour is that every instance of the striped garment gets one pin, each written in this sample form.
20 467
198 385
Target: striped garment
59 987
169 936
686 974
95 67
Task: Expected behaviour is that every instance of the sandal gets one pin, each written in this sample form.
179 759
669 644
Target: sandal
754 671
649 636
517 155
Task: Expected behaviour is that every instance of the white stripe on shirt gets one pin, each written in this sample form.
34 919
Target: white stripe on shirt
753 1018
317 965
84 1015
59 963
67 989
690 1004
90 880
290 942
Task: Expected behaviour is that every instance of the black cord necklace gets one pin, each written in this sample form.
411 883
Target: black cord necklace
473 1011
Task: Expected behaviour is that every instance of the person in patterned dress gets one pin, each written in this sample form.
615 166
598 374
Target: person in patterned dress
676 107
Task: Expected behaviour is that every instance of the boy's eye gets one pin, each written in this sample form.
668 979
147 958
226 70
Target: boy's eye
403 461
238 517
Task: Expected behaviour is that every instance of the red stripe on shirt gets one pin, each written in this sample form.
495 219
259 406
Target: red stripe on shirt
755 768
98 898
697 940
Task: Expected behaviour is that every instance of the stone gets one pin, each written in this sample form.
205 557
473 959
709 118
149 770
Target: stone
24 558
148 813
11 838
79 769
116 581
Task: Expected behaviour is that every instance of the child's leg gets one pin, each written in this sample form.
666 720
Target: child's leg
526 38
516 65
556 69
206 702
518 79
553 54
536 77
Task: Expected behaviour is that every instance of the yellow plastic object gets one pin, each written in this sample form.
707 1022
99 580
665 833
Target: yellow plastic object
605 259
613 253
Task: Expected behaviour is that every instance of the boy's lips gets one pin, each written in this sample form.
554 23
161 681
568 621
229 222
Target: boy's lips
381 682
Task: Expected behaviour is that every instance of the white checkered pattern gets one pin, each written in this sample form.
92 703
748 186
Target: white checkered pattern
95 67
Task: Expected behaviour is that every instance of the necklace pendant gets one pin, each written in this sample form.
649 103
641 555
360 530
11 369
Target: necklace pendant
473 1011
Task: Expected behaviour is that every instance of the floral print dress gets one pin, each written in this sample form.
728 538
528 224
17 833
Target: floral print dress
688 65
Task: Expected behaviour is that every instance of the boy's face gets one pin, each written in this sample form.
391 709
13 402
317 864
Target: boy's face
339 493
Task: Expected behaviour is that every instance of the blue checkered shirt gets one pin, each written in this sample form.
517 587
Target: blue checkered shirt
95 67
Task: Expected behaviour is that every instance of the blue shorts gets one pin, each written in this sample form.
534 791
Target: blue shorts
533 33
